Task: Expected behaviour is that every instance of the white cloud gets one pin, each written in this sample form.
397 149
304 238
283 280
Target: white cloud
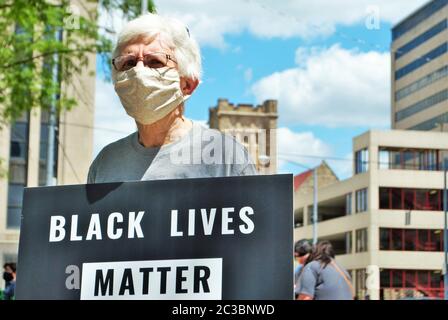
210 20
302 148
248 74
333 87
343 167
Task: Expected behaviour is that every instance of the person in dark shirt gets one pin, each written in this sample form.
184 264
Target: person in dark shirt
9 275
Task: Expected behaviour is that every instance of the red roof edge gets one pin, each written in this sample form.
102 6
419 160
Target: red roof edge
301 178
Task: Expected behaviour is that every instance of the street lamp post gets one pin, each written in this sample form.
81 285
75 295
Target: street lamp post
144 6
445 231
315 207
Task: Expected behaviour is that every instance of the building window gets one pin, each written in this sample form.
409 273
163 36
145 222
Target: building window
414 43
410 159
411 239
422 83
15 195
361 161
361 200
348 242
421 61
411 199
415 19
431 124
398 284
348 204
361 280
361 240
18 167
421 105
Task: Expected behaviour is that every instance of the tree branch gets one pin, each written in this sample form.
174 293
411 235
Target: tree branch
45 54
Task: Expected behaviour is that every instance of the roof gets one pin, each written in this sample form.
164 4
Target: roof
301 178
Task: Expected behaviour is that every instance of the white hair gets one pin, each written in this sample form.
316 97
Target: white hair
174 34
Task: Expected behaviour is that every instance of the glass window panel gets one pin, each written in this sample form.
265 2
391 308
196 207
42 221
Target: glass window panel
408 160
361 240
384 239
423 240
423 279
436 237
361 200
15 195
19 131
412 21
421 196
397 200
409 198
397 239
384 159
13 218
384 198
18 150
17 171
434 202
385 278
410 237
397 278
431 123
410 278
348 204
420 61
436 279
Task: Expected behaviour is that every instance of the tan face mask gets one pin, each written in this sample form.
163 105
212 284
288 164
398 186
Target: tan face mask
148 94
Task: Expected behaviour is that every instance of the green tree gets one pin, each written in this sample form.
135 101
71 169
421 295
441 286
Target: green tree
38 36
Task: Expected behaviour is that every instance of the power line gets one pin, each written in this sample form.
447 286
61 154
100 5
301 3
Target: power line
288 157
66 157
93 127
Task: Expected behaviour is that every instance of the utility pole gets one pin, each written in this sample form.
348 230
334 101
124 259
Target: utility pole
315 187
315 206
445 231
52 119
144 6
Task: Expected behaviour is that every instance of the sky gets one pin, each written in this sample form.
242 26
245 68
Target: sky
327 62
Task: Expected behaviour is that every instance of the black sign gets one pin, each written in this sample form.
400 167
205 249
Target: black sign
208 238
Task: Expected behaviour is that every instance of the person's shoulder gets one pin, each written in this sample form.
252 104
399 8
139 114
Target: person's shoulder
313 266
111 151
116 146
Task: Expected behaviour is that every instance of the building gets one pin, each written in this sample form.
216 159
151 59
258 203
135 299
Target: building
23 149
304 182
386 222
254 127
419 56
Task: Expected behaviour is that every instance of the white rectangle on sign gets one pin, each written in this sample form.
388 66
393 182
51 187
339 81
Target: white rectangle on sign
189 279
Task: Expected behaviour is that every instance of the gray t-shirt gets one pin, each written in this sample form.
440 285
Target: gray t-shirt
324 283
201 153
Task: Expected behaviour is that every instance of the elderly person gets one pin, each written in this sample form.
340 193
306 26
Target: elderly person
156 67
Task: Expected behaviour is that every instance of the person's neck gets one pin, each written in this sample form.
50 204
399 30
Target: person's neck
167 130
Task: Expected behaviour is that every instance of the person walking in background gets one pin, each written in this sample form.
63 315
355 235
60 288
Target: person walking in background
302 251
9 275
322 278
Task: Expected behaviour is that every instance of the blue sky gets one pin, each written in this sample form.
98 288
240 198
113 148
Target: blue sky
328 69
